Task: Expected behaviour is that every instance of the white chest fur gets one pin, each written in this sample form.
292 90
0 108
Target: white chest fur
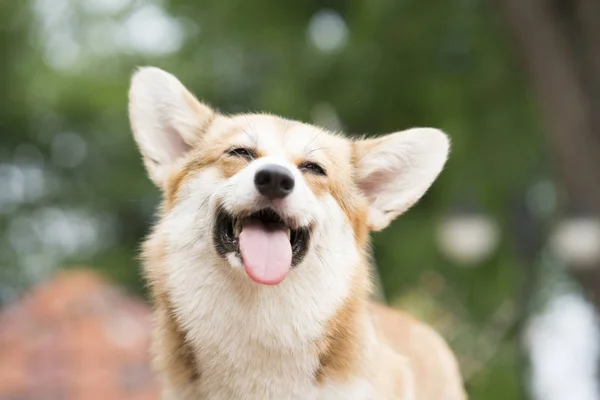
252 344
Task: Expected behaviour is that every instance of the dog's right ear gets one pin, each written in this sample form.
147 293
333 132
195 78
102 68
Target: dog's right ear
395 170
166 120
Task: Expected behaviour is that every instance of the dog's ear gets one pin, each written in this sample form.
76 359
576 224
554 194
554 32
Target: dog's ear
395 170
165 118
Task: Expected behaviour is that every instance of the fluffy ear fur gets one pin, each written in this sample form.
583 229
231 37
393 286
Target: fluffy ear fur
166 120
395 170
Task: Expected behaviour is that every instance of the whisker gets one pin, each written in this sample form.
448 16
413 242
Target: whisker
306 148
325 263
324 148
334 251
253 137
199 215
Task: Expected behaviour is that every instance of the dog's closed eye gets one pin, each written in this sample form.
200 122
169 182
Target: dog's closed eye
312 168
242 152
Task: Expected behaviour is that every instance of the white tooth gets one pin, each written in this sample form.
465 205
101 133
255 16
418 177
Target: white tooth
289 233
237 228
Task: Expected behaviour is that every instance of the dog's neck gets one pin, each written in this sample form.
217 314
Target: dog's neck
244 337
243 359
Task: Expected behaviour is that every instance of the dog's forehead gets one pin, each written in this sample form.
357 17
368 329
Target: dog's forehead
280 137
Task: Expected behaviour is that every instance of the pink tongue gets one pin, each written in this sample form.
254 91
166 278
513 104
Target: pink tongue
266 252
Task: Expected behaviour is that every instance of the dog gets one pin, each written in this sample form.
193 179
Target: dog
258 266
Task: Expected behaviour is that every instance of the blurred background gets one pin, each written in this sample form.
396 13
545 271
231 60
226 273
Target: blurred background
502 255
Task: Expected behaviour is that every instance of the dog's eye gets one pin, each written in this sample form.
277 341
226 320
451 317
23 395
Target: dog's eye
242 152
313 168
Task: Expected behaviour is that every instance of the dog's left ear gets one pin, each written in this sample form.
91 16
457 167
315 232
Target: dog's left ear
395 171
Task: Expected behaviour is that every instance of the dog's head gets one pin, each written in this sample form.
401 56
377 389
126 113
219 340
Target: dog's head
267 195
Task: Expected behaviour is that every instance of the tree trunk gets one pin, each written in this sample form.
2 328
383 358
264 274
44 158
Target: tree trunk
559 41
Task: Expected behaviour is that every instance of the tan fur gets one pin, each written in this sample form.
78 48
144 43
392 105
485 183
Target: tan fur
316 335
171 353
433 365
339 355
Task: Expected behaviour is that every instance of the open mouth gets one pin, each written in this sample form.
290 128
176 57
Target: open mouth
266 244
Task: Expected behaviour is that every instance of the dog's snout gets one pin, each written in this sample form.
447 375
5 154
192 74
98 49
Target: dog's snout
274 181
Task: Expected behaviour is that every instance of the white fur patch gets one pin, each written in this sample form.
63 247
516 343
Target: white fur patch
234 260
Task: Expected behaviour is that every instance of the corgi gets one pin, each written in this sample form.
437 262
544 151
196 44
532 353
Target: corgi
258 266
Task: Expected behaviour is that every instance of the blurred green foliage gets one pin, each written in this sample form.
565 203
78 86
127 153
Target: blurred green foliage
399 63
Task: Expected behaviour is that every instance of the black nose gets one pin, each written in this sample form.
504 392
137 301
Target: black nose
274 181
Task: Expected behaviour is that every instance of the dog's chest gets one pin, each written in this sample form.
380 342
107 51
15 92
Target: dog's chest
260 377
285 390
240 366
260 351
253 353
274 378
256 343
